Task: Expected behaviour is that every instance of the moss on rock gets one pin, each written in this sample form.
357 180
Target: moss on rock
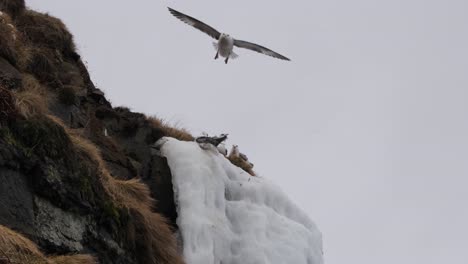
43 137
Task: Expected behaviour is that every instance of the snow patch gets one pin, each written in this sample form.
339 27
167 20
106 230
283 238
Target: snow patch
226 216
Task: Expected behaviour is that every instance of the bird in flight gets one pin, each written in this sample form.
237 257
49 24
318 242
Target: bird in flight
225 45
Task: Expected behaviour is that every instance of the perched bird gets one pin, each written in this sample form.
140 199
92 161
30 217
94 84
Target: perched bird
206 142
234 153
237 154
240 160
215 141
226 43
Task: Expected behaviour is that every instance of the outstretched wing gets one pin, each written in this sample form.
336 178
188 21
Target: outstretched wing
196 23
258 48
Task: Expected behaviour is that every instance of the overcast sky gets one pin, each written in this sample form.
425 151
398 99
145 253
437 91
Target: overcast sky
366 128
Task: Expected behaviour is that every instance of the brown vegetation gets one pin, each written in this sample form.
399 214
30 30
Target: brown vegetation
42 63
47 45
32 98
30 83
46 31
170 131
16 249
73 259
30 103
245 165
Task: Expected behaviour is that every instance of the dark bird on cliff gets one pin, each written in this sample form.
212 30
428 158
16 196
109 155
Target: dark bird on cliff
226 43
215 141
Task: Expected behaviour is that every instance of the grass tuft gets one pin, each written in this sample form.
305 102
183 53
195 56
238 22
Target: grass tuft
15 248
245 165
73 259
42 63
46 31
170 131
30 104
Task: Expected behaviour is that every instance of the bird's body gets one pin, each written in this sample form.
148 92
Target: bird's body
234 153
225 43
224 47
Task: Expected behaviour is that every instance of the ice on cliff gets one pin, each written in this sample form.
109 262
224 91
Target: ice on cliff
226 216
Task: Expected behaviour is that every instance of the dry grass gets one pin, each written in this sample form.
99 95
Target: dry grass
32 99
15 248
149 232
12 7
245 165
132 193
170 131
46 31
8 45
30 103
73 259
155 238
30 83
128 194
46 42
42 63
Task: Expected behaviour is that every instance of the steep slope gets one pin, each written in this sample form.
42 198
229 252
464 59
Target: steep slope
77 174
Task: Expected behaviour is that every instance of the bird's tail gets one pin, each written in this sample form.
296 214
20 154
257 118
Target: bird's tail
233 55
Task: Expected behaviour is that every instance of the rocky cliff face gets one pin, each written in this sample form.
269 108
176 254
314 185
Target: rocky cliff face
77 175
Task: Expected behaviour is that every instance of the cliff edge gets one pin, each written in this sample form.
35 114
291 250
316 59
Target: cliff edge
78 180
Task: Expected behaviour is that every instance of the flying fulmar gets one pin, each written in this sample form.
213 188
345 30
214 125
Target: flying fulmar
226 43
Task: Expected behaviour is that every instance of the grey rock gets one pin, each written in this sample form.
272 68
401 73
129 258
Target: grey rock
59 228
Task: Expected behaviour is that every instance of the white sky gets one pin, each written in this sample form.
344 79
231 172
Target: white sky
366 128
